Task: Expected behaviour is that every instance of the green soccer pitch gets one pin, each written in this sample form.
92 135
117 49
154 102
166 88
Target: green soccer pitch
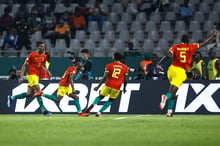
109 130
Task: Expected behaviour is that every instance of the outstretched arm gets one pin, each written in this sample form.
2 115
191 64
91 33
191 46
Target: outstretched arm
163 60
209 38
105 76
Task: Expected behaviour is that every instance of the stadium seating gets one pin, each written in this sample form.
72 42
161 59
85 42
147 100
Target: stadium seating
127 24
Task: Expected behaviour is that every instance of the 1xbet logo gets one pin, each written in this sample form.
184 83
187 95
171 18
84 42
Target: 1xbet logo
64 105
204 96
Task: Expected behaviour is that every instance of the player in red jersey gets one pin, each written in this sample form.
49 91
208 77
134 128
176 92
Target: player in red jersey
35 61
182 57
115 73
64 85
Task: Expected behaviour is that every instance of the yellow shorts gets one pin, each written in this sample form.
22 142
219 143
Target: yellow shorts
176 75
109 91
63 90
33 80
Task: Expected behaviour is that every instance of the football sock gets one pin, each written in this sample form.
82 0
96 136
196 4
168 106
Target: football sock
40 101
52 97
76 101
20 96
170 104
97 99
90 108
169 95
105 106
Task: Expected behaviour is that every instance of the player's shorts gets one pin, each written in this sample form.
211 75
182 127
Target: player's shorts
176 75
33 80
63 90
113 93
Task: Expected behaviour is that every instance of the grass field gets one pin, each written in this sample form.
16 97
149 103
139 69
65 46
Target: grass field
110 130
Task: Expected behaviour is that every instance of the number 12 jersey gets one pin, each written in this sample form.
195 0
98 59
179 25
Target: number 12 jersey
116 73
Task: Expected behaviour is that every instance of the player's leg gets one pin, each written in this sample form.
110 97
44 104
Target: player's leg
52 97
170 106
176 77
113 95
33 82
96 101
60 93
29 93
104 92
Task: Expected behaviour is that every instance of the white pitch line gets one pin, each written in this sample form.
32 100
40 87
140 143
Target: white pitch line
120 118
143 116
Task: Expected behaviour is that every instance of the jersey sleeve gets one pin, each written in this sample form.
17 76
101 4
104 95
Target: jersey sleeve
107 68
172 50
28 59
126 70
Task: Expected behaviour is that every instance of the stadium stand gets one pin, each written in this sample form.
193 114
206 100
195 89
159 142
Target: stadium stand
124 24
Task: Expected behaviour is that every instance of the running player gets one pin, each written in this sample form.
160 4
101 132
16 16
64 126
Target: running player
182 57
115 74
64 85
35 61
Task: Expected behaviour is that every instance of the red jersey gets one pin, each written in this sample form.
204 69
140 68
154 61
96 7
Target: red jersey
65 78
116 73
35 61
182 54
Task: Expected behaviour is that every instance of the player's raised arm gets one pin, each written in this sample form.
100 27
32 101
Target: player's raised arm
209 38
104 78
163 60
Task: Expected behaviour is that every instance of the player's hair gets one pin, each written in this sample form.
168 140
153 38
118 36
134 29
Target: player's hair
185 39
85 51
39 42
117 56
77 60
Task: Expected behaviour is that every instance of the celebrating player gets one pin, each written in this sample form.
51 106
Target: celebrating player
35 61
64 85
182 57
115 73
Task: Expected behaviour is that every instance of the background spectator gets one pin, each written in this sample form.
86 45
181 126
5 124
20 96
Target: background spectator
6 21
142 70
212 64
97 14
77 22
49 22
196 75
23 31
86 74
39 7
218 71
62 31
10 40
22 12
185 12
131 52
199 64
153 73
12 74
34 22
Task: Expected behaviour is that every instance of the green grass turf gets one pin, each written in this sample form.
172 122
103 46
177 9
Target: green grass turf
66 130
